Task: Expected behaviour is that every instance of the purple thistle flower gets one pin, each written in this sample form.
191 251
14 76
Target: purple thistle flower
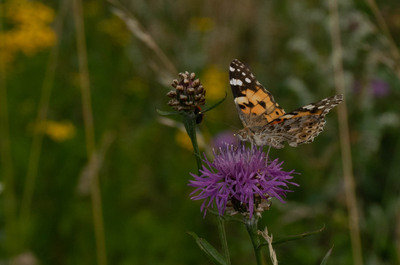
380 88
223 138
377 87
241 179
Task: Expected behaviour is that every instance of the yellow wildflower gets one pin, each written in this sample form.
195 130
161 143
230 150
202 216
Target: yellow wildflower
183 140
214 81
31 40
56 130
202 24
30 31
27 12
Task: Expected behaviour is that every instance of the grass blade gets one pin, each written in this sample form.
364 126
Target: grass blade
328 254
210 251
296 237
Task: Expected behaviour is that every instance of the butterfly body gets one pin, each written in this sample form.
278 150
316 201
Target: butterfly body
265 122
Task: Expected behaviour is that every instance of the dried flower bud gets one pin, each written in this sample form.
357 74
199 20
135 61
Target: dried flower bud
173 102
191 91
201 89
196 83
188 94
171 94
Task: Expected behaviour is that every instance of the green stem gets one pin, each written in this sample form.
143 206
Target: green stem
189 120
41 117
222 237
95 192
251 226
6 161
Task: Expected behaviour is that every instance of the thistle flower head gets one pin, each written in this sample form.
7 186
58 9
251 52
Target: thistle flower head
188 93
240 180
223 138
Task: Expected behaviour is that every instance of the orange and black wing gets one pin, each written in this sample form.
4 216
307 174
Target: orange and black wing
302 125
255 104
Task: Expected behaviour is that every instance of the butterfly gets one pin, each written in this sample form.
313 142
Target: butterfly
265 122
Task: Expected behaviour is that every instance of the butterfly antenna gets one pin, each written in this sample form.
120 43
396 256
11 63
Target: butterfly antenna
227 124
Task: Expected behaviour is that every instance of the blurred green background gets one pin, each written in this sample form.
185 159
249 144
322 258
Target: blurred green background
142 160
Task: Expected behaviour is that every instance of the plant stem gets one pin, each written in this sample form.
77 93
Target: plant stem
166 67
347 164
222 237
251 226
7 168
384 28
89 133
36 147
189 120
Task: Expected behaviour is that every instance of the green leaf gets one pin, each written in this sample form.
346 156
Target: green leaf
215 105
328 254
168 113
210 251
295 237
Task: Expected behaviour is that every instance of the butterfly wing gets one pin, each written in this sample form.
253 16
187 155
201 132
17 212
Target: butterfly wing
255 104
299 126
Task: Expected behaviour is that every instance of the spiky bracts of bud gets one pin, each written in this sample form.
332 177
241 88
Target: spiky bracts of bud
188 93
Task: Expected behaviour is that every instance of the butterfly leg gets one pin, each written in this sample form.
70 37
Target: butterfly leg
269 148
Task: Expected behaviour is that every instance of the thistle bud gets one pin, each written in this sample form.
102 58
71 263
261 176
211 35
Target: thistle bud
188 93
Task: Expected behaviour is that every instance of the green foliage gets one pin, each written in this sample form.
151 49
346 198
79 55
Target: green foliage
144 163
210 251
328 254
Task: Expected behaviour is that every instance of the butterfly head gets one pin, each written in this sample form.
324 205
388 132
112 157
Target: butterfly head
259 139
244 134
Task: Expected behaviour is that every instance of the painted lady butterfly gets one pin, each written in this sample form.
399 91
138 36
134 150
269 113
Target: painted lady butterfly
265 122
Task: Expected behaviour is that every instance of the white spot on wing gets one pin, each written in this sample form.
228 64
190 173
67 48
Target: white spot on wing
241 100
309 107
288 116
236 82
231 69
248 80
